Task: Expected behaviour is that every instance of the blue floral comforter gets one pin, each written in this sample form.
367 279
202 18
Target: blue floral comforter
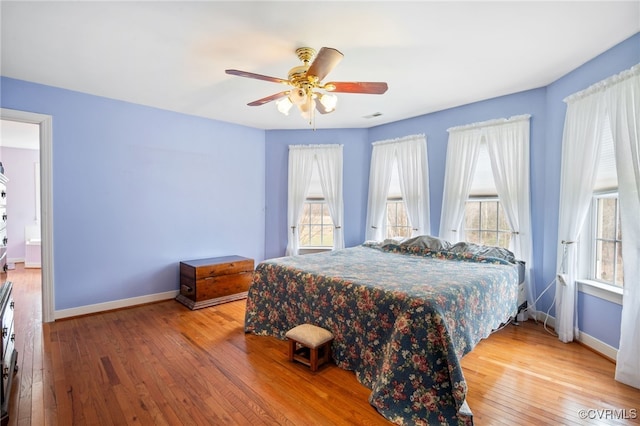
402 318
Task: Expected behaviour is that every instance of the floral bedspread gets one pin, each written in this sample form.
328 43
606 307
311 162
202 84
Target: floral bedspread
402 318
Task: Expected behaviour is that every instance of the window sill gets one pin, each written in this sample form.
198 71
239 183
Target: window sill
601 290
309 250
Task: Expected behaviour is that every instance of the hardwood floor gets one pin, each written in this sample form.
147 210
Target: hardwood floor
162 364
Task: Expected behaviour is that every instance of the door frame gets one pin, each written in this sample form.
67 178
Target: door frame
46 201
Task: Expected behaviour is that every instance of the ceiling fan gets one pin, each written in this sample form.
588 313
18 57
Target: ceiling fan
306 79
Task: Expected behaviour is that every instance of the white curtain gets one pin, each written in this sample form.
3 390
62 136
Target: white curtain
623 102
382 157
460 167
411 155
329 159
302 159
580 151
508 146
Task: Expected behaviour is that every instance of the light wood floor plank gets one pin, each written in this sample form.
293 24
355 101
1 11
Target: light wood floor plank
164 364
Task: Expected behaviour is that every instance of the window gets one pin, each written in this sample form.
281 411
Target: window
397 222
485 223
603 237
395 209
607 249
316 226
484 218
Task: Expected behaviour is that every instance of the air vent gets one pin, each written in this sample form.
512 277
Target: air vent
375 114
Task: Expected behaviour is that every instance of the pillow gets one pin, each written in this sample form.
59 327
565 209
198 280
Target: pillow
427 242
484 251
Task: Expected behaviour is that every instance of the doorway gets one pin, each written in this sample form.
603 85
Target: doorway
45 202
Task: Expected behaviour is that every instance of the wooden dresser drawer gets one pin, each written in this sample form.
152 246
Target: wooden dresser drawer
208 282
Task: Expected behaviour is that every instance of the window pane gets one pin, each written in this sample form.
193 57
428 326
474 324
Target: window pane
607 218
316 213
391 214
504 238
489 215
472 215
306 217
489 238
327 236
401 215
305 238
316 235
473 237
503 225
619 269
605 252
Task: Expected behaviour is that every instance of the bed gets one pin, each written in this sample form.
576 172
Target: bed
403 315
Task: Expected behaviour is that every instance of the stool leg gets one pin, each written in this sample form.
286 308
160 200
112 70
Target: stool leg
314 359
292 349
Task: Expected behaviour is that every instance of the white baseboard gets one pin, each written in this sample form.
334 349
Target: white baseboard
598 346
116 304
591 342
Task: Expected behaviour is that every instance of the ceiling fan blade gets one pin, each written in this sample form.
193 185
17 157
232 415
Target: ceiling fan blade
324 62
268 99
257 76
368 87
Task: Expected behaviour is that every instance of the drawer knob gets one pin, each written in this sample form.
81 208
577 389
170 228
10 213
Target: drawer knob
186 289
13 337
12 304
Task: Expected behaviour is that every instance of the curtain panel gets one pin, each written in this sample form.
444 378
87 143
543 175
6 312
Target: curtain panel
410 154
508 146
616 99
623 102
302 159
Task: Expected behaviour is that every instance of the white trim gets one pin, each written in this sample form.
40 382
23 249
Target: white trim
494 122
46 205
601 290
116 304
598 346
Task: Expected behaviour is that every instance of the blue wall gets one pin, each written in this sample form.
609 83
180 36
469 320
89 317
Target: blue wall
138 189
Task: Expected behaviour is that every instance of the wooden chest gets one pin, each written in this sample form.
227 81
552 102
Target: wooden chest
208 282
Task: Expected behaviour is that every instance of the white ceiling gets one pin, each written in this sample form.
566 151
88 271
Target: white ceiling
434 55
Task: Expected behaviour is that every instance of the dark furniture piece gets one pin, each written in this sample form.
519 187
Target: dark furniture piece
8 353
208 282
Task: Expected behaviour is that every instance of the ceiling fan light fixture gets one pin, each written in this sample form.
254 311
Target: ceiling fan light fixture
307 108
329 102
284 105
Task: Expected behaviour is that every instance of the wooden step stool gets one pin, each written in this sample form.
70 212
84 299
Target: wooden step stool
310 345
